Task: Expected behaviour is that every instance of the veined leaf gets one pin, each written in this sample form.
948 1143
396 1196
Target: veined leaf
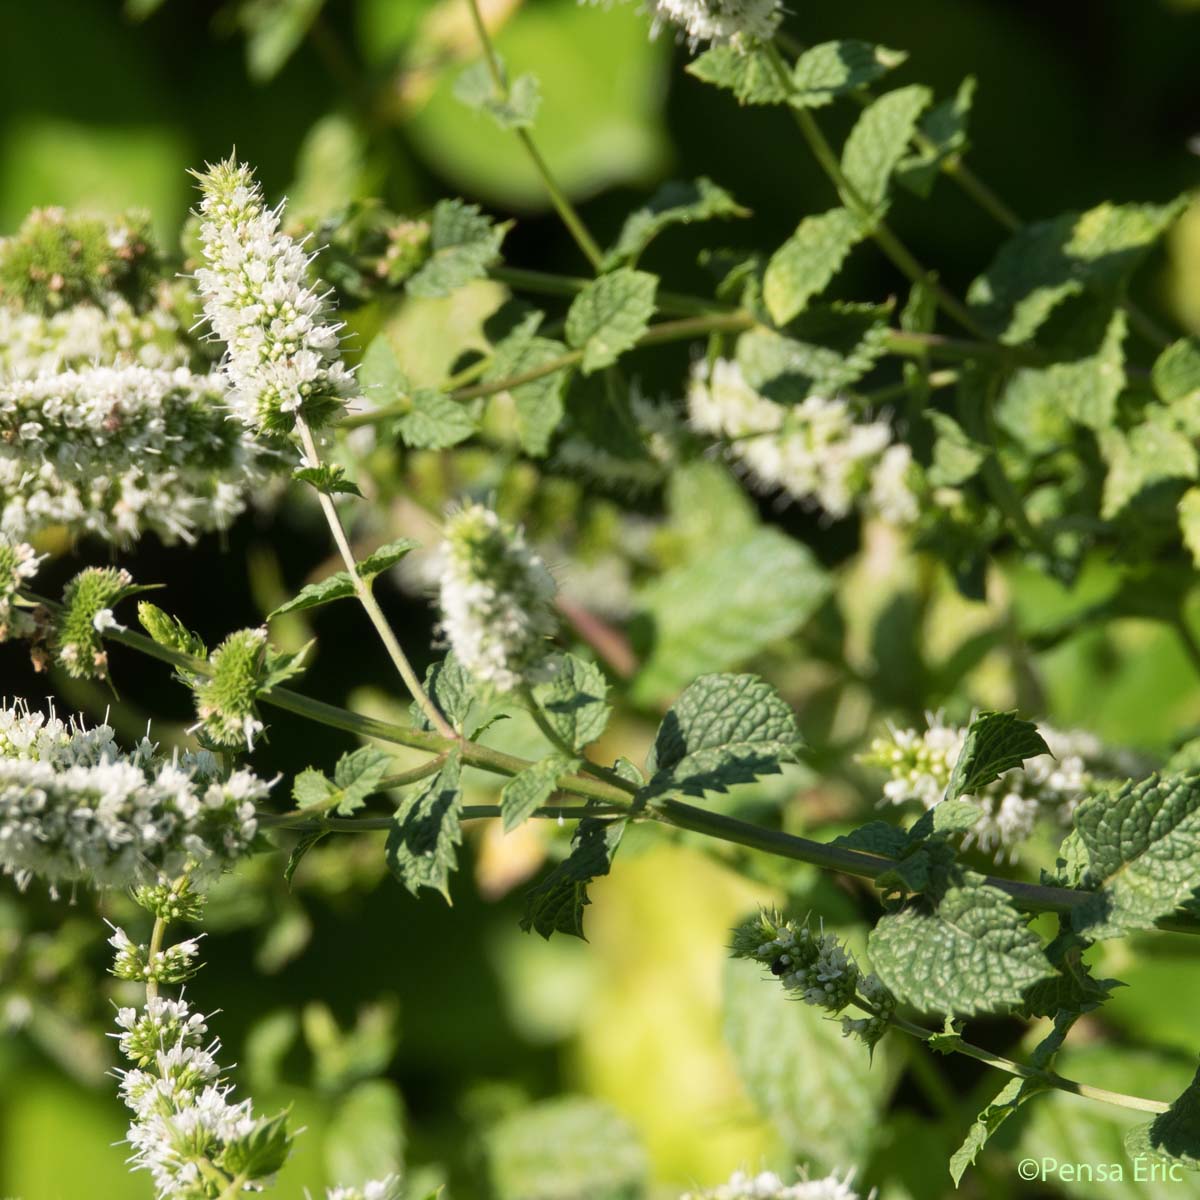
995 743
808 260
463 244
674 203
529 790
945 128
1174 1136
609 316
422 844
436 422
1155 452
831 69
556 904
518 110
724 729
339 585
878 141
1143 854
539 403
971 953
749 74
573 700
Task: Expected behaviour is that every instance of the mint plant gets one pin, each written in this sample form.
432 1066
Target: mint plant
591 552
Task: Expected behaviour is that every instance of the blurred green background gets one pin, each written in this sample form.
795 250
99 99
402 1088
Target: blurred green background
412 1032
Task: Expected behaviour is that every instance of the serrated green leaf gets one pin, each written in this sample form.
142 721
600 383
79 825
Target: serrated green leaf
831 69
422 844
1046 262
529 790
971 953
609 315
299 850
875 837
518 110
1002 1106
1143 854
820 1090
328 479
379 374
1085 389
568 1148
556 904
385 557
451 688
259 1153
996 742
721 609
539 403
1176 371
463 244
803 266
674 203
877 143
356 776
340 585
310 787
723 730
435 421
574 700
748 73
956 456
1174 1136
1154 452
945 130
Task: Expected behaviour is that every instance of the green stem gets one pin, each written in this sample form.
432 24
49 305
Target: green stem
564 747
1028 897
1049 1078
850 196
665 331
367 598
570 218
157 934
235 1186
298 823
671 303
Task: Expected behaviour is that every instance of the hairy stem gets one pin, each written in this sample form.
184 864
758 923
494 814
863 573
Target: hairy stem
302 823
367 598
564 207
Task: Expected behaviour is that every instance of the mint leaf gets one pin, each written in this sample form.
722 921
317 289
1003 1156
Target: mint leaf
1046 262
609 316
299 850
945 127
1189 522
260 1152
421 846
379 373
356 776
328 479
339 585
724 729
877 143
476 89
568 1148
1154 452
673 204
807 261
529 790
451 688
556 904
971 953
574 700
746 72
996 742
1173 1136
1176 371
792 1059
956 456
436 422
831 69
463 244
722 608
539 403
1143 854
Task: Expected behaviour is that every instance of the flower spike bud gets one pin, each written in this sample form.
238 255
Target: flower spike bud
496 597
226 702
282 353
87 614
18 565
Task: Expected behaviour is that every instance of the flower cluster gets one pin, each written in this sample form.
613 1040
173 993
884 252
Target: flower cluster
496 596
34 344
766 1185
120 451
377 1189
817 968
815 450
58 259
185 1129
919 764
74 807
719 21
281 350
18 565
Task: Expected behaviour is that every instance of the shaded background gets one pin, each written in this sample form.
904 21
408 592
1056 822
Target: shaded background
419 1030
